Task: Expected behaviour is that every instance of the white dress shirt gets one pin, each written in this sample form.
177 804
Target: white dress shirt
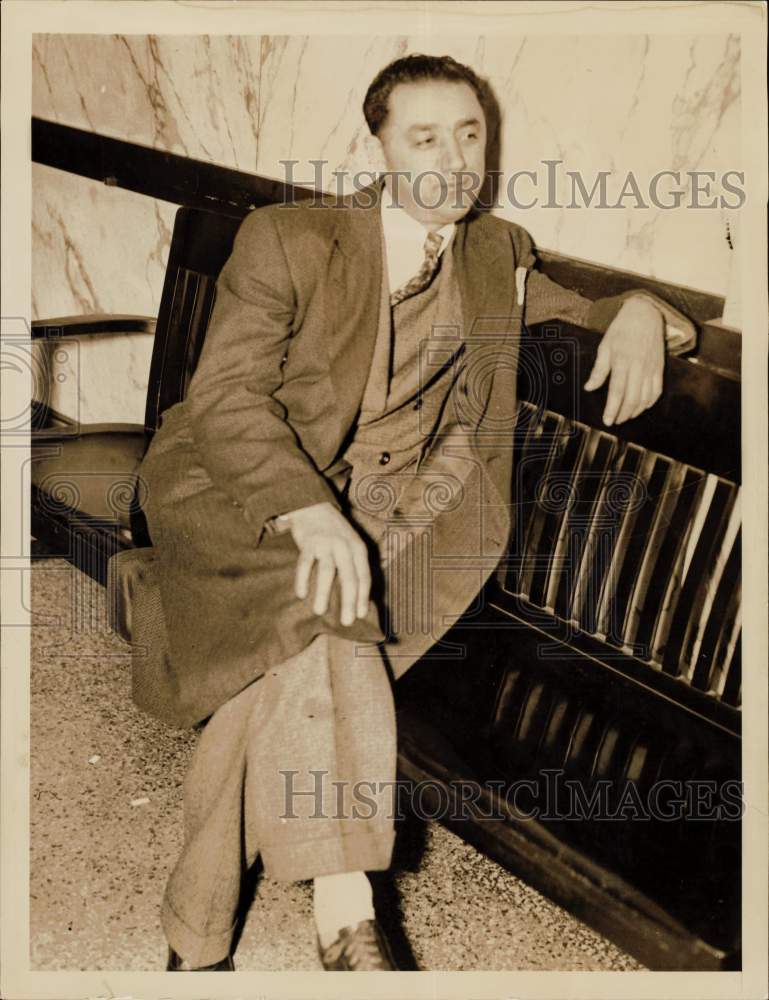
405 241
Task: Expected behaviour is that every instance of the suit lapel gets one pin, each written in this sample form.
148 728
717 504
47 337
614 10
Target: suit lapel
485 274
485 268
353 294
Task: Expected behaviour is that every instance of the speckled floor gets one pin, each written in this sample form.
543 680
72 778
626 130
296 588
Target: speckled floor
106 828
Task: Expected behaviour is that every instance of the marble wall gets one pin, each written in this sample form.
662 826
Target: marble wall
616 103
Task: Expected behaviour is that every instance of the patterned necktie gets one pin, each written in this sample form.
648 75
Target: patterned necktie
422 279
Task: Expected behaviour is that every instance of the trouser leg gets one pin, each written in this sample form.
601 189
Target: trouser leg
326 711
319 777
202 894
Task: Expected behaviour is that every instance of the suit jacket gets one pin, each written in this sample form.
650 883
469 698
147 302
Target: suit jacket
269 410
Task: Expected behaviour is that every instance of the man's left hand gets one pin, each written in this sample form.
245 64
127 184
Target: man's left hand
632 352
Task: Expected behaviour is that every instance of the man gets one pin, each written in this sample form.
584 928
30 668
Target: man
349 413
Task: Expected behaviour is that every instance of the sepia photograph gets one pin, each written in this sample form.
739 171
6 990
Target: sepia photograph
378 499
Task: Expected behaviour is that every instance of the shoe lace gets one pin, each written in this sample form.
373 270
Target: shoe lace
364 949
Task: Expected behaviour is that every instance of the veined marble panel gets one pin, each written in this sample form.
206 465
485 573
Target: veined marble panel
95 248
636 104
195 95
311 99
98 250
95 380
627 103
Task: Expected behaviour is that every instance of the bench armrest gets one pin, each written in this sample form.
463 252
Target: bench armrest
95 324
71 430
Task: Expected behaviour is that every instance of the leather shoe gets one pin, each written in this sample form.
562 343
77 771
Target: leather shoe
362 948
178 964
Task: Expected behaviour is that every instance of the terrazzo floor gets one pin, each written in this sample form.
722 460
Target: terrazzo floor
106 824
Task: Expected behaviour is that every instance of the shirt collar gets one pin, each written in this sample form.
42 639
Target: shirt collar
401 228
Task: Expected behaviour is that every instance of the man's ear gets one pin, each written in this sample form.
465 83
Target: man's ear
375 154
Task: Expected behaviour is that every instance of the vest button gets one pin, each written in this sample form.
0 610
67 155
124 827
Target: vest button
384 458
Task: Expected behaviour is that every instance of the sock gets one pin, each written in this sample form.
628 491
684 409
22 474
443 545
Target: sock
339 901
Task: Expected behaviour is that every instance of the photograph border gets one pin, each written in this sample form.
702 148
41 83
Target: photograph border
21 20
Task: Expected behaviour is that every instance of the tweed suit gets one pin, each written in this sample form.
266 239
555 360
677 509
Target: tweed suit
327 711
270 410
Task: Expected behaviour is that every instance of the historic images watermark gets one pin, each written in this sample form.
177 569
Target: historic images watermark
550 796
45 412
546 185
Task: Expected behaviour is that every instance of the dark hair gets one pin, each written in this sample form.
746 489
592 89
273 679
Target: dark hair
412 69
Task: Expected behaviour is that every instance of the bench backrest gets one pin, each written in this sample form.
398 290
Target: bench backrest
201 243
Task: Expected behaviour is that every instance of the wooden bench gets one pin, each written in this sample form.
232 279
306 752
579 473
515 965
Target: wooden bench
604 652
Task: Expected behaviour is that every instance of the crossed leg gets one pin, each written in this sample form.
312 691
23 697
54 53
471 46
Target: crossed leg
298 767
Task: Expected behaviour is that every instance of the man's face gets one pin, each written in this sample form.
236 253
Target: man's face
435 133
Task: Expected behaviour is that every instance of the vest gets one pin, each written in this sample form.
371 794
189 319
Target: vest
413 369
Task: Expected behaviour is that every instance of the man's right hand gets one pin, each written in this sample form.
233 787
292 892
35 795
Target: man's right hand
324 536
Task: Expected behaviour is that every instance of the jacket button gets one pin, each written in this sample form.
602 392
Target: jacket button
384 458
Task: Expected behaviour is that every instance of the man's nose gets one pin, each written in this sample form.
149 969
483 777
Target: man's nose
452 157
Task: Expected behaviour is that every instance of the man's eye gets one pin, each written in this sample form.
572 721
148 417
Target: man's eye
425 142
471 135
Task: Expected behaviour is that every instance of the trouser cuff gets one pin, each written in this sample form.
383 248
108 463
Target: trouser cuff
198 949
358 852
